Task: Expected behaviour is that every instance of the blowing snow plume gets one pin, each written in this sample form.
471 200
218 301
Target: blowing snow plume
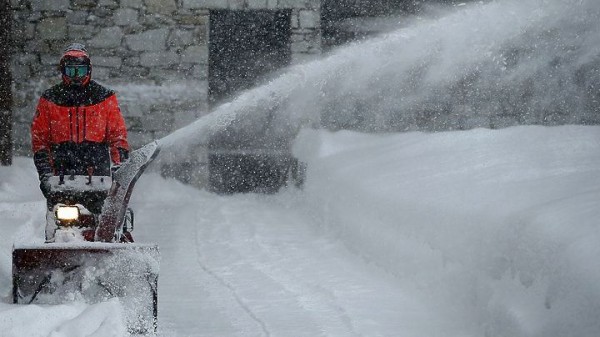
491 64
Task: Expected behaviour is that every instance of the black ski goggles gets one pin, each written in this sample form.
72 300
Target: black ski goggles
75 71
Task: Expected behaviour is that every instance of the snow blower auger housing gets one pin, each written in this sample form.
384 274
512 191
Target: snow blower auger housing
90 259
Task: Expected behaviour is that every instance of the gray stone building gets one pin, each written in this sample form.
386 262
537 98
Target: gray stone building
168 60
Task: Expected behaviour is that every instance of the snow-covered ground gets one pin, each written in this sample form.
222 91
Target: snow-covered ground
470 233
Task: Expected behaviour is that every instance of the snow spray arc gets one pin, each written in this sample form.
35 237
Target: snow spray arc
492 64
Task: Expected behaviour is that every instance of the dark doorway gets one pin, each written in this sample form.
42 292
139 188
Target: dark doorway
244 47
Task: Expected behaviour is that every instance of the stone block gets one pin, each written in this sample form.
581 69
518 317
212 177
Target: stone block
299 58
100 73
205 4
500 122
195 55
34 17
112 4
46 5
18 45
137 139
27 31
159 59
134 72
20 101
107 38
104 14
93 20
107 61
165 76
183 67
131 61
156 21
15 4
180 38
131 30
26 112
312 4
192 19
77 17
134 124
131 109
185 117
298 37
27 58
295 21
309 19
161 6
84 3
22 136
202 34
236 4
300 47
125 17
57 47
161 134
200 71
132 3
80 32
157 120
52 28
21 72
48 59
305 42
152 40
474 122
257 4
21 14
290 4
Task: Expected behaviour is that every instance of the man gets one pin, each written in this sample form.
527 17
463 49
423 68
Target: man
78 127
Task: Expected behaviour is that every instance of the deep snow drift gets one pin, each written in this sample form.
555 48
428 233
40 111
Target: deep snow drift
470 233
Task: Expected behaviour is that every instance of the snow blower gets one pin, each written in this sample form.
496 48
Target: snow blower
92 257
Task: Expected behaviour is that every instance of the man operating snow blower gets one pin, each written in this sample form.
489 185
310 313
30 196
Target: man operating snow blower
77 130
87 175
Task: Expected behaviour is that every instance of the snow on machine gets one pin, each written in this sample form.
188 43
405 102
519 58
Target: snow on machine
92 257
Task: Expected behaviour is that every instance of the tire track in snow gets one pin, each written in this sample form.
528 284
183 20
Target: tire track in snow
230 287
311 297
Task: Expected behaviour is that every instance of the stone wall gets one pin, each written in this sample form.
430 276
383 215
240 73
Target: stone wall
153 52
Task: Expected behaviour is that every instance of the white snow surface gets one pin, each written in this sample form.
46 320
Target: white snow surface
466 233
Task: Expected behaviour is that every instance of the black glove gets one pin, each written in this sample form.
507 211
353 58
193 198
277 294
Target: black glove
123 154
41 159
45 184
114 169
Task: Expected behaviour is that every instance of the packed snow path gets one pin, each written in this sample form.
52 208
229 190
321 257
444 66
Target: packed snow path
253 265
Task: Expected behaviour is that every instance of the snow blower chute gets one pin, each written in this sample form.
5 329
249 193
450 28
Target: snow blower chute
92 258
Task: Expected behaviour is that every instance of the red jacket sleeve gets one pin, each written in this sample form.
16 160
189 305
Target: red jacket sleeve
116 134
40 128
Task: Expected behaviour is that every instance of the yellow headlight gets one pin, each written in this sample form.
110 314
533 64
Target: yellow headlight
67 213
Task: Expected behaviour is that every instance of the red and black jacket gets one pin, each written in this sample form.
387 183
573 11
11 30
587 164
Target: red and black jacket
76 128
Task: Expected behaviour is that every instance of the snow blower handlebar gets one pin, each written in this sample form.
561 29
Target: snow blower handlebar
115 205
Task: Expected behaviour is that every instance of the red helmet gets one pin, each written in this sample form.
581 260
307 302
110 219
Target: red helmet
75 65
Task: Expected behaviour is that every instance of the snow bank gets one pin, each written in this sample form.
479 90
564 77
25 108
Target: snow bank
497 227
67 320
